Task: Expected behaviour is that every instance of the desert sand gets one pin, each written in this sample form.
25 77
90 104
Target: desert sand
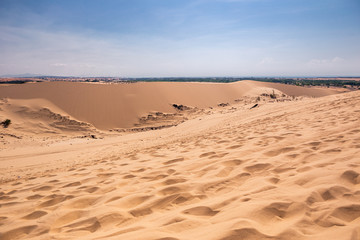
217 169
108 106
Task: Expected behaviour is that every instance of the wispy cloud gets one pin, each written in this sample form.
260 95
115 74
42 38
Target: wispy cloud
266 60
334 60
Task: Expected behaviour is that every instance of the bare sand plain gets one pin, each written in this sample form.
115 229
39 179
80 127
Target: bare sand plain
214 168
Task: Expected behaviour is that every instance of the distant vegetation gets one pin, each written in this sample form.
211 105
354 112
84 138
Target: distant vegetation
14 82
291 81
310 82
345 82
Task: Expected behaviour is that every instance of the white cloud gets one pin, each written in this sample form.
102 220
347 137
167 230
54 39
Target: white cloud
337 59
325 61
58 64
266 60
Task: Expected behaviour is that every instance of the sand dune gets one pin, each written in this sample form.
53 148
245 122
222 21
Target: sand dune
283 170
39 116
121 105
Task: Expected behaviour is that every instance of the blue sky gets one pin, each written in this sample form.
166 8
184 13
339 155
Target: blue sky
198 38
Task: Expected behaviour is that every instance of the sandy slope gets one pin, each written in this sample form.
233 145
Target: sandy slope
108 106
284 170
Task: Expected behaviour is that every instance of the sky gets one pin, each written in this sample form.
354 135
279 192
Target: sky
180 38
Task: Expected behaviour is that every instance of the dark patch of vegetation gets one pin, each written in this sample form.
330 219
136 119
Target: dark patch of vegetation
273 95
223 104
309 82
14 82
6 123
180 107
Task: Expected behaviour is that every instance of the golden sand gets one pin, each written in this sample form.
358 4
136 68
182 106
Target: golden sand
285 169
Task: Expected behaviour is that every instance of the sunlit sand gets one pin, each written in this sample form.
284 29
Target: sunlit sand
220 167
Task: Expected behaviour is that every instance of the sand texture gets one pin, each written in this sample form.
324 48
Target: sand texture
284 170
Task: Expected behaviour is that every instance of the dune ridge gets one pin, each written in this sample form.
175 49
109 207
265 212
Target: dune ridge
284 170
108 106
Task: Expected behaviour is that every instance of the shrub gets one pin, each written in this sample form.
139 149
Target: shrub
273 95
6 123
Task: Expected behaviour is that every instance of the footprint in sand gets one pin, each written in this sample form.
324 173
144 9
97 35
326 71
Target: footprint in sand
43 188
141 212
131 201
333 192
224 172
74 184
232 163
258 167
347 213
172 181
207 154
18 233
351 176
279 151
34 197
246 234
83 202
68 218
91 225
234 147
35 215
172 190
201 211
180 159
55 199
